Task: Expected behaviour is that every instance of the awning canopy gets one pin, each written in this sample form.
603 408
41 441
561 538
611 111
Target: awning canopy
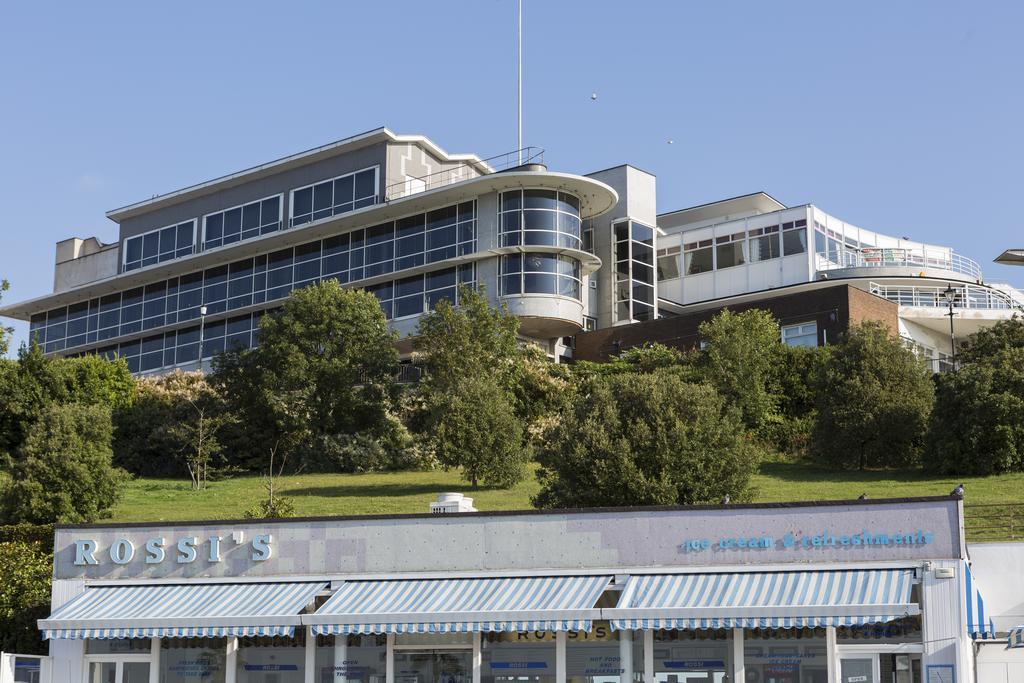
786 599
1016 638
979 626
210 610
545 603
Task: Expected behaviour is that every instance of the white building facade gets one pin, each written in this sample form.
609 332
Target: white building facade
865 591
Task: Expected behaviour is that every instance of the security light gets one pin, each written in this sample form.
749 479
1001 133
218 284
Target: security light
202 310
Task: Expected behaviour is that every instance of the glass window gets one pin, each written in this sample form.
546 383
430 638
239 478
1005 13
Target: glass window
184 660
163 244
691 656
804 334
334 196
352 659
593 657
242 222
794 241
433 666
764 248
698 261
790 655
668 267
730 254
271 660
517 657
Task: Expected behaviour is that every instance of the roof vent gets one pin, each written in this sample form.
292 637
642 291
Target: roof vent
452 502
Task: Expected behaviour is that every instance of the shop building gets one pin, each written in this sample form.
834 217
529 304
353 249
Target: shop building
859 591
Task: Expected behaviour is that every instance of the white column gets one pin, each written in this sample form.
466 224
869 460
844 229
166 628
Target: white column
310 668
231 661
477 658
389 675
739 672
626 656
560 641
830 654
154 660
648 656
340 658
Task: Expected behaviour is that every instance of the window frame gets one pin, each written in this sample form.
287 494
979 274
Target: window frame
142 235
205 216
291 196
800 333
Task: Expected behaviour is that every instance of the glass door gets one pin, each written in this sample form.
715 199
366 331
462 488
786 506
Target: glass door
118 671
433 666
858 669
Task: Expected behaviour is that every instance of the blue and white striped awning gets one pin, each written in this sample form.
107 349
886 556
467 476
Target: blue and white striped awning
543 603
208 610
1016 637
787 599
979 626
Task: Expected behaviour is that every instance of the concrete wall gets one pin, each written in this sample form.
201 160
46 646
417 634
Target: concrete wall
409 162
833 308
374 155
83 268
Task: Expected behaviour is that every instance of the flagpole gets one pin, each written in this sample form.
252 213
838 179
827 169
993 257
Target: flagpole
520 85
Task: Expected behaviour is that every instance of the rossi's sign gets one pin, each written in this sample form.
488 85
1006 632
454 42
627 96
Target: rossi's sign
157 550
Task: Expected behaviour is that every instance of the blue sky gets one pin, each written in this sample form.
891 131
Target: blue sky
899 117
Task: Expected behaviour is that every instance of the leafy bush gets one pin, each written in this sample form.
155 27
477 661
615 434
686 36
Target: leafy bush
25 568
645 439
63 470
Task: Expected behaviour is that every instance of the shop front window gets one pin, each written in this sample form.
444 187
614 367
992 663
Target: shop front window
593 656
271 660
434 666
517 657
691 656
786 656
351 659
187 660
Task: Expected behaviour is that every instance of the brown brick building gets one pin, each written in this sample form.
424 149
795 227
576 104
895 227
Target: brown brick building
831 308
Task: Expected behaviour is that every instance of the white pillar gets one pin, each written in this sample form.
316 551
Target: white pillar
626 656
231 661
154 660
560 641
477 658
739 671
310 668
340 658
389 675
648 656
830 654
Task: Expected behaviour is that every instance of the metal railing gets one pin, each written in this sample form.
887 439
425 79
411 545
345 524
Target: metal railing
870 257
967 297
464 170
994 522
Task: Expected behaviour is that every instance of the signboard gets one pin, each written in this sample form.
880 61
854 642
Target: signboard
925 529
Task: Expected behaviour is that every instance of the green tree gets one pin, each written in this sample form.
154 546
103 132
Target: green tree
739 359
474 427
645 439
325 366
977 425
25 568
475 397
795 383
873 402
63 470
987 342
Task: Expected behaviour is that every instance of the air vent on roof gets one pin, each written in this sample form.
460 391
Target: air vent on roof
452 502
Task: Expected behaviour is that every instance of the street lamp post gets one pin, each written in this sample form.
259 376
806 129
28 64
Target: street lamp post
202 324
950 295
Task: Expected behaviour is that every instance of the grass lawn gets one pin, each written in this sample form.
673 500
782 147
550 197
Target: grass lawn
403 492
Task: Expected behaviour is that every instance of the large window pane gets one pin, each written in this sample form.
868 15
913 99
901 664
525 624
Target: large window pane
593 657
517 657
691 657
697 261
730 255
271 660
351 659
186 660
794 241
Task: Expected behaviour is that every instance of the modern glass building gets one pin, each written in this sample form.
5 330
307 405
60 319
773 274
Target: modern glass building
193 270
857 591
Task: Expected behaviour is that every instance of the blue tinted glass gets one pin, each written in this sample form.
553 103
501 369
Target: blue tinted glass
365 184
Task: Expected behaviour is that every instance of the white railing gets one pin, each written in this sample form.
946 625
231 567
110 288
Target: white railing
463 171
870 257
967 297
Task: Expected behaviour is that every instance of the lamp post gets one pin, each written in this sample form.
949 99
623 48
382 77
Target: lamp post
202 324
950 295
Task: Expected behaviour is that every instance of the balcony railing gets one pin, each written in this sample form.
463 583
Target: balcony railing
971 297
871 257
463 171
